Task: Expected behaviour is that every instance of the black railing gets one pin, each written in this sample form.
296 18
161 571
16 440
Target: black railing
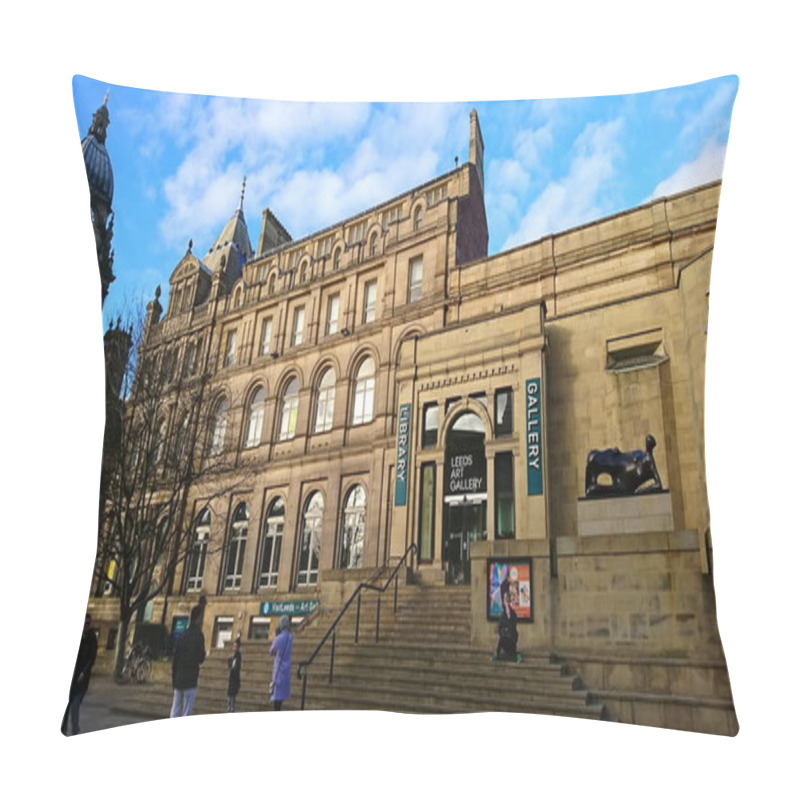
302 667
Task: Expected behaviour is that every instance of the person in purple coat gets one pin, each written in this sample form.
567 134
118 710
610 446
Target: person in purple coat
281 651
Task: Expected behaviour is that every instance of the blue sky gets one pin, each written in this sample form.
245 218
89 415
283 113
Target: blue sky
179 160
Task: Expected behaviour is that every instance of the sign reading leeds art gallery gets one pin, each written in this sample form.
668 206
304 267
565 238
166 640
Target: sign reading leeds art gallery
294 608
465 476
401 464
533 434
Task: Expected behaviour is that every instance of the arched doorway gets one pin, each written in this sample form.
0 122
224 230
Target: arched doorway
465 494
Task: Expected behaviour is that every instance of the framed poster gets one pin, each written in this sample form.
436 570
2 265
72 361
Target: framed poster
512 576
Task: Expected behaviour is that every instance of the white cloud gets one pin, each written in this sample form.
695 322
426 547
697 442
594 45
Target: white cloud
530 144
312 163
577 196
705 168
713 117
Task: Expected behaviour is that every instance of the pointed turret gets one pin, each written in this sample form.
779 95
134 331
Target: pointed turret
232 247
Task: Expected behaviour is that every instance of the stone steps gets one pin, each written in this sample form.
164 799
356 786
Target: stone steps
423 663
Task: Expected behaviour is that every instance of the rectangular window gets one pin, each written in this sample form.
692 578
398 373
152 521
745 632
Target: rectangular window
325 246
427 511
259 629
370 300
390 215
190 363
230 349
197 564
504 495
503 408
223 631
433 196
266 336
357 232
430 424
415 279
297 327
332 322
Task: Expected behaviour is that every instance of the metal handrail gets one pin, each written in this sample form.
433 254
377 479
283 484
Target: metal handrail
302 667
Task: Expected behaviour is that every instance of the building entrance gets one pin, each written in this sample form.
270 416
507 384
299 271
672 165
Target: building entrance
464 523
465 493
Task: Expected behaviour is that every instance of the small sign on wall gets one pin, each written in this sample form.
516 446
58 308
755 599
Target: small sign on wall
293 608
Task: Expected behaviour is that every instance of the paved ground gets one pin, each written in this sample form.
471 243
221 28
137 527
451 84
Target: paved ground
99 708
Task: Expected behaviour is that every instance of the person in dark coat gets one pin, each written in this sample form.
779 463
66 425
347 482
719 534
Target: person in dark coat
234 674
190 652
87 653
507 628
281 651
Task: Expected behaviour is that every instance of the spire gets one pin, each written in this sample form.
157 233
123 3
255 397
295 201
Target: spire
476 145
100 121
241 199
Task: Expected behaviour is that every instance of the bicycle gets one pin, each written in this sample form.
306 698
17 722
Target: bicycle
137 665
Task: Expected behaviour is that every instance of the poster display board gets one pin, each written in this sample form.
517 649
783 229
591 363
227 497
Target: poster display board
512 576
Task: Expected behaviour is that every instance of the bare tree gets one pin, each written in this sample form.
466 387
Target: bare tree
160 445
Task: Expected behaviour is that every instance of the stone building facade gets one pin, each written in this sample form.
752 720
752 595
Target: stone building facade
383 383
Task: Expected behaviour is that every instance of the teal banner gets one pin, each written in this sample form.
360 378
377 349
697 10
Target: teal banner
291 608
401 464
533 435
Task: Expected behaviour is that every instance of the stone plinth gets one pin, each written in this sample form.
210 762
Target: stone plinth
639 513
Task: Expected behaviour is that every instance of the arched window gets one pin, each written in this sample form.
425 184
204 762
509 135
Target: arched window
364 396
354 516
237 540
311 541
326 395
182 441
337 258
271 284
373 244
417 218
289 408
160 442
219 425
255 418
271 546
304 271
197 555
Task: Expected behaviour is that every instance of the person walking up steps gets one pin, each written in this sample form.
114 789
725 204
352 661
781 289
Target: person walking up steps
281 686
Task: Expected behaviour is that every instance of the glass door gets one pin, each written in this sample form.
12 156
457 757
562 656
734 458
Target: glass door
466 523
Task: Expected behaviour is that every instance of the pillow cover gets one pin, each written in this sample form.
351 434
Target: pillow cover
455 471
